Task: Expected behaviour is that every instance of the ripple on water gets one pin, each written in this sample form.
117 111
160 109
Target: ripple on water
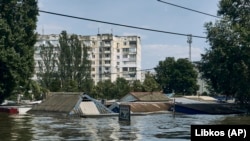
148 127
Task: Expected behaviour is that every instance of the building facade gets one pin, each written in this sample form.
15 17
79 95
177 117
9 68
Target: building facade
111 56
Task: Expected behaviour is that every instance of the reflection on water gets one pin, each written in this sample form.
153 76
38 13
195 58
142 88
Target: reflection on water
150 127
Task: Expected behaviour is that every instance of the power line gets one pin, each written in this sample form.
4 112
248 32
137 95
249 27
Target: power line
188 9
123 25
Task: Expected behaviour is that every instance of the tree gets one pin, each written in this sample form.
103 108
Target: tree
47 75
136 86
65 67
225 65
104 89
122 87
108 90
179 76
185 77
163 74
17 38
73 62
150 84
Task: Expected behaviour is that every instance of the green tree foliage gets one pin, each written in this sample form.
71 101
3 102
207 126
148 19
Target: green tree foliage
179 76
163 74
47 75
122 87
65 67
136 86
73 62
17 38
150 84
107 90
104 90
226 64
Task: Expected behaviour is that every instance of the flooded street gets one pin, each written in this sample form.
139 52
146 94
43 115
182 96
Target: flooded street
53 127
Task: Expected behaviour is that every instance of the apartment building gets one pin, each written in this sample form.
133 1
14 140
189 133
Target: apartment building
43 40
111 56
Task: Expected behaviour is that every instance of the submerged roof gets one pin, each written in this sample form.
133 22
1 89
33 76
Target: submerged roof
145 96
149 106
71 103
59 102
142 107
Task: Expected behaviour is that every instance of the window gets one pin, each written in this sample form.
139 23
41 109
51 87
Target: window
107 55
107 48
132 43
125 69
107 42
93 69
101 43
107 62
132 50
125 49
132 69
124 43
125 56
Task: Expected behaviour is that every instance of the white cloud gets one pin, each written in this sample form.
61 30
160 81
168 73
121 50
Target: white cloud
152 54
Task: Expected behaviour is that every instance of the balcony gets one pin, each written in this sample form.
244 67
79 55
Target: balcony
107 51
132 59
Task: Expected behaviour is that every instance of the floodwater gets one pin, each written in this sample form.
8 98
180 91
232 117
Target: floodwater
54 127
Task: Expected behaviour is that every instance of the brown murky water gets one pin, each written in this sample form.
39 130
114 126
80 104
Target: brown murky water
53 127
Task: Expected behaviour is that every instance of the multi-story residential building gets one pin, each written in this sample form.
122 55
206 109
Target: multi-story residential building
111 56
43 40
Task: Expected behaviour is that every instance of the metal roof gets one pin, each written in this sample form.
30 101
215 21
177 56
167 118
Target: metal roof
149 96
71 103
141 107
59 102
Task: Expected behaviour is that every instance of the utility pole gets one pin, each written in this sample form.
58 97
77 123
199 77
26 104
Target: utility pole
189 41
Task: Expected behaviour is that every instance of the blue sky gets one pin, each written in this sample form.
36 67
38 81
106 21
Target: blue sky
142 13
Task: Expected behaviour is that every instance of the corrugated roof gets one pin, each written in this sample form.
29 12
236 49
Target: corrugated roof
150 96
149 106
143 107
59 102
71 103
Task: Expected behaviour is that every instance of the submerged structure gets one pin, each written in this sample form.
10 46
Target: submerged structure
143 102
204 105
78 104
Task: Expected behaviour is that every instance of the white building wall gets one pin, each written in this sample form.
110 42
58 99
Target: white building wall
111 56
43 40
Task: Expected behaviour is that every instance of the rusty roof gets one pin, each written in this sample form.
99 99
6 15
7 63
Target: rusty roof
148 106
150 96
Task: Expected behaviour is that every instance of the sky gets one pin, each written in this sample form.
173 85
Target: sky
140 13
